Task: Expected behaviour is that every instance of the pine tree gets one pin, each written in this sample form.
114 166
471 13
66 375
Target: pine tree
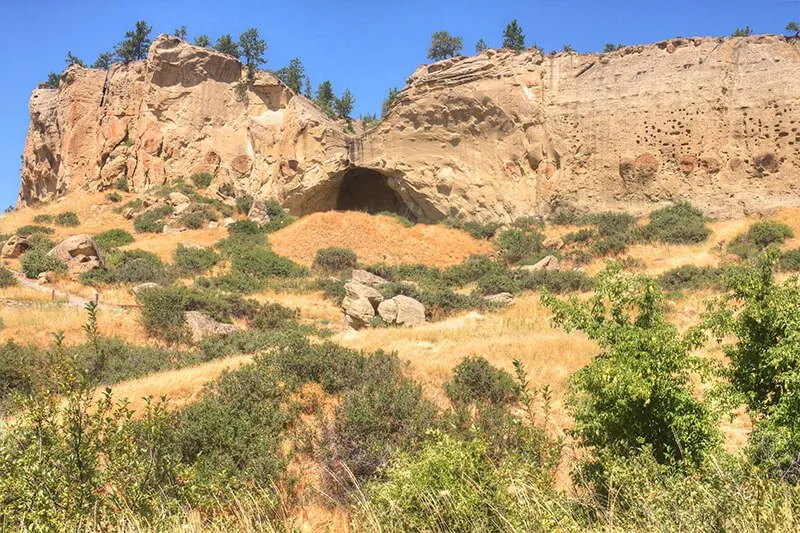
227 45
253 48
480 46
293 74
53 81
344 105
134 46
793 26
513 37
73 60
308 87
202 40
387 103
180 33
103 61
444 45
325 97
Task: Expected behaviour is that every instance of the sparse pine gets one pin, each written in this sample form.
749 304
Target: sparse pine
253 48
226 45
480 46
136 43
513 37
444 45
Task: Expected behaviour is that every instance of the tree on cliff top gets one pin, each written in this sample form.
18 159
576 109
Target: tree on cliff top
103 61
480 46
793 26
742 32
253 48
202 40
325 97
444 45
344 105
513 37
180 32
227 45
73 60
134 46
293 75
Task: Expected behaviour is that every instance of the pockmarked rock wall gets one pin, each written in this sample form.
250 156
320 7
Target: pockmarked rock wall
492 137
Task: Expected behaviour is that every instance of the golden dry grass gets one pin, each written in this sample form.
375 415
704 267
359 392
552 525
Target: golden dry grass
313 306
164 244
37 323
21 293
375 239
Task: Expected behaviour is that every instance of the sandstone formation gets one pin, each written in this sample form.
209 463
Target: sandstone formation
367 278
491 137
202 326
79 252
402 310
14 247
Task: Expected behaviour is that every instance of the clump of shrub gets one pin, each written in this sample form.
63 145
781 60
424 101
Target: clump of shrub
43 219
130 266
163 313
400 218
121 184
244 203
333 288
517 245
191 260
273 316
477 381
478 230
278 217
335 259
194 220
202 180
36 260
152 221
790 261
113 238
114 197
261 263
680 223
30 229
760 236
7 278
67 218
692 277
557 281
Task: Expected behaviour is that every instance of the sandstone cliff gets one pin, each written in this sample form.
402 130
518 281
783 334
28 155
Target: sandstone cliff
495 136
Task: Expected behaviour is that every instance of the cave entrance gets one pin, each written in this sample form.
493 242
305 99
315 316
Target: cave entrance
363 189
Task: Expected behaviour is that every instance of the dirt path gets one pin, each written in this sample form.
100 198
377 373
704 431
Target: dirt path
65 298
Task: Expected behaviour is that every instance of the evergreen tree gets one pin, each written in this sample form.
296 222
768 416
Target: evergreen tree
325 97
344 105
134 46
480 46
73 60
308 87
611 47
795 27
293 74
180 33
513 37
202 40
103 60
568 49
253 48
742 32
53 81
444 45
227 45
387 103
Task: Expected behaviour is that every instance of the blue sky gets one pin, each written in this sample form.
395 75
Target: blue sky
367 46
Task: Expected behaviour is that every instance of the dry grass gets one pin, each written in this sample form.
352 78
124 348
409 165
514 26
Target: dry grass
37 323
164 244
375 239
21 293
313 306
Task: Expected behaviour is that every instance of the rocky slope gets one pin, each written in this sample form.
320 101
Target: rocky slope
496 136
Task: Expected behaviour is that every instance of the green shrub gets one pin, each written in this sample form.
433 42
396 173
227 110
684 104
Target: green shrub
7 278
114 197
496 282
193 260
40 240
335 259
583 235
478 230
233 282
264 264
278 217
152 221
26 231
332 288
244 203
790 261
334 367
692 277
113 238
121 184
758 237
471 270
558 281
68 218
610 245
35 261
194 220
477 381
247 227
273 316
43 219
400 218
609 223
516 245
202 180
136 266
163 313
680 223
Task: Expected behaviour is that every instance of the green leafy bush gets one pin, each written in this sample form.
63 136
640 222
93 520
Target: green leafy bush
332 288
121 184
67 218
609 223
273 316
7 278
28 230
516 245
478 230
692 277
278 217
583 235
557 281
477 381
164 313
194 220
114 197
496 282
152 221
137 266
400 218
680 223
247 227
335 259
261 264
473 268
35 261
790 261
191 260
43 219
113 238
244 203
233 282
202 180
759 237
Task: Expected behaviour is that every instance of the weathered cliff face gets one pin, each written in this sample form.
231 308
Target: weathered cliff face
497 136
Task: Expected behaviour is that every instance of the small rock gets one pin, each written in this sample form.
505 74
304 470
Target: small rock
145 286
549 263
128 213
176 198
202 326
258 212
227 221
500 298
213 224
367 278
166 229
553 243
14 247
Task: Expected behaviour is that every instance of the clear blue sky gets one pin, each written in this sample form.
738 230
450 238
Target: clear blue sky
367 46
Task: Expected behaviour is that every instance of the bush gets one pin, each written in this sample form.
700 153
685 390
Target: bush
68 218
609 223
471 270
583 235
692 277
233 282
113 238
496 282
244 203
610 245
332 288
478 230
246 227
35 261
335 259
558 282
273 316
759 237
43 219
202 180
121 184
680 224
152 221
195 220
516 245
278 217
790 261
193 260
26 231
264 264
163 313
476 381
114 197
7 278
136 266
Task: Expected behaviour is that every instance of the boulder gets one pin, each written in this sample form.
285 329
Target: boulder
549 263
145 286
553 243
258 212
202 326
14 247
367 278
500 298
358 312
402 310
213 224
355 290
181 208
81 264
79 252
128 213
227 221
176 198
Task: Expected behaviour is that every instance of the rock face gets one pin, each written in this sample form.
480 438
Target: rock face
14 247
202 326
79 252
402 310
491 137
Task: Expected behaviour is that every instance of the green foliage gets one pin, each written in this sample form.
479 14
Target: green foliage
68 218
193 220
104 61
513 37
325 96
478 230
400 218
742 32
136 43
202 41
333 288
113 238
227 45
180 32
388 101
335 259
444 45
192 260
567 48
36 260
130 266
790 261
611 47
164 313
30 229
557 281
638 391
244 227
7 278
680 223
152 221
122 184
244 203
114 197
794 27
262 264
43 219
278 217
691 277
759 237
73 60
344 104
52 82
480 46
517 245
609 223
202 180
253 48
476 381
273 316
293 75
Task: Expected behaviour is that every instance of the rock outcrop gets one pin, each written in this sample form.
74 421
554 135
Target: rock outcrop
491 137
14 247
202 326
79 252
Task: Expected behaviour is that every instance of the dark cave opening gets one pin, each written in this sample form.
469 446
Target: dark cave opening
363 189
